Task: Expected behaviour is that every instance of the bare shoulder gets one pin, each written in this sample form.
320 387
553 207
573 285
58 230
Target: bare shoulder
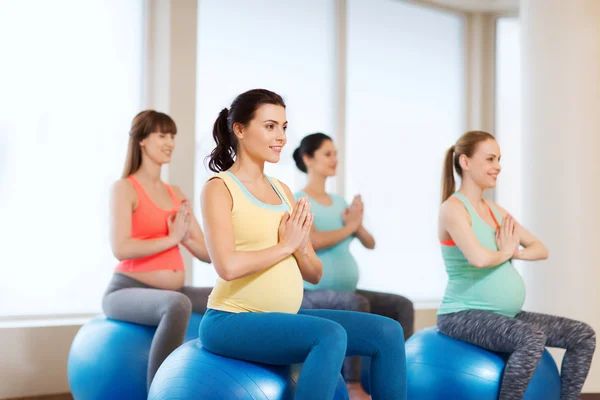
122 192
123 187
216 188
453 210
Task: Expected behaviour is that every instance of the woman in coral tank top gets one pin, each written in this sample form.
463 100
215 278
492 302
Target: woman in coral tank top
149 220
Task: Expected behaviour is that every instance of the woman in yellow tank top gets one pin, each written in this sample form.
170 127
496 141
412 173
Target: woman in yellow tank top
258 240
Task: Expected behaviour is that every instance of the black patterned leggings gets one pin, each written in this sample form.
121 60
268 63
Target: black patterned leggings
525 336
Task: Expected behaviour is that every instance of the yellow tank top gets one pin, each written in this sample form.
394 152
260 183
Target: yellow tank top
278 288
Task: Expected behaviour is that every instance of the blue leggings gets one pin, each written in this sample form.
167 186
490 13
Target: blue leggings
318 338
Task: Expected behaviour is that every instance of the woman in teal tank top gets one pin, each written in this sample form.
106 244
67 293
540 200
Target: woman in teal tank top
336 224
485 293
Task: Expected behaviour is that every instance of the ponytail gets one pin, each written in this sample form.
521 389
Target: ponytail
298 160
448 183
240 112
221 158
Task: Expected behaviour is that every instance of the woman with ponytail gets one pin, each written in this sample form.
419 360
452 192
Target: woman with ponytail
336 224
485 293
149 221
258 238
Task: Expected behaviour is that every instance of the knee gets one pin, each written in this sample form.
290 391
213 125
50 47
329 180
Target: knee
178 304
334 338
534 340
586 335
391 332
406 308
406 315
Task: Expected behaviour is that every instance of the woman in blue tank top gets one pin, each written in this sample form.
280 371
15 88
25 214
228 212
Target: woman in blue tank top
336 224
485 293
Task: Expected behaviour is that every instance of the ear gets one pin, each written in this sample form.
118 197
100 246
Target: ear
142 142
463 160
238 130
307 160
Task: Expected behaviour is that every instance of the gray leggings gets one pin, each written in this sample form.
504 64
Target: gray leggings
388 305
526 336
127 299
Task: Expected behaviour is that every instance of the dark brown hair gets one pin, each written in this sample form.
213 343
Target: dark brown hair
242 112
308 146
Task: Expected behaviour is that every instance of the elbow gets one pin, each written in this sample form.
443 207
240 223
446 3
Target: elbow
480 262
118 253
227 277
315 278
545 253
317 274
225 273
371 245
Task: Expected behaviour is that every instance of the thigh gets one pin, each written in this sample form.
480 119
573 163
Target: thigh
271 338
334 300
142 306
198 296
560 332
387 304
365 331
486 329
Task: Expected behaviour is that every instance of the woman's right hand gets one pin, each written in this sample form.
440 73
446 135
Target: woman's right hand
179 223
294 228
507 239
353 215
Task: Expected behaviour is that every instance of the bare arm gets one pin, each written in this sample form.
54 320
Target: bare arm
324 239
229 263
124 247
357 208
309 263
533 248
365 238
454 219
194 241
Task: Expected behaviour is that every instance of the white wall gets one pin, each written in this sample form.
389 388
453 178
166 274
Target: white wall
34 358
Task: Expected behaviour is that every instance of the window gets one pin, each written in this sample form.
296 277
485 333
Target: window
282 45
405 107
71 86
508 113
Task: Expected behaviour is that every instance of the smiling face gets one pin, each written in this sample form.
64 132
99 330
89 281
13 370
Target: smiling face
158 147
483 166
324 161
264 136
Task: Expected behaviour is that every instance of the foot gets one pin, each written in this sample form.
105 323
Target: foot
356 392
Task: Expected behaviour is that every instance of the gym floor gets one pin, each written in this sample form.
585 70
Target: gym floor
67 396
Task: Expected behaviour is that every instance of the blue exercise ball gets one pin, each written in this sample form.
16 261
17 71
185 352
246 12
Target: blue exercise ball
191 373
109 359
439 367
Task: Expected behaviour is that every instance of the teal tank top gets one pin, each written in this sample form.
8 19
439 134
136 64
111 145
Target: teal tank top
497 289
340 270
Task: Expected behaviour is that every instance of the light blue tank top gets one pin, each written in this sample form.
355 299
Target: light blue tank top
497 289
340 270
